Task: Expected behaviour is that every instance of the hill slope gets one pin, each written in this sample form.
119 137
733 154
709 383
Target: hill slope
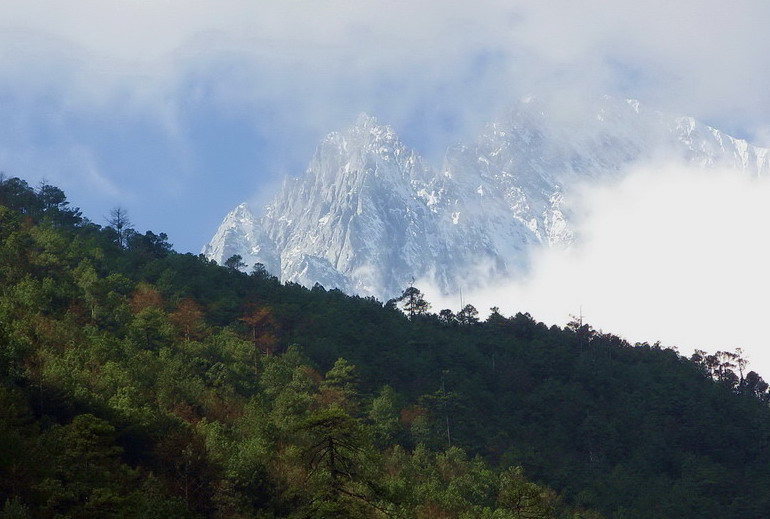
140 382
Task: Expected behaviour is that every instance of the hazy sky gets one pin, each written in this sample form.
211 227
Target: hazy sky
180 110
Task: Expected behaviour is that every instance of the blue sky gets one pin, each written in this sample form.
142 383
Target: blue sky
180 110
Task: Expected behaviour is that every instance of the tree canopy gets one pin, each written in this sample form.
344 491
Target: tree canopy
139 382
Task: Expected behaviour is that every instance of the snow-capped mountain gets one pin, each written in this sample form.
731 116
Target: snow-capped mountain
369 215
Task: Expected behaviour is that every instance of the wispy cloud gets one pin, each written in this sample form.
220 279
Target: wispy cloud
706 58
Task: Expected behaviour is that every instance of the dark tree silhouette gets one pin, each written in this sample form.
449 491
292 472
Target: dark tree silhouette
118 220
413 302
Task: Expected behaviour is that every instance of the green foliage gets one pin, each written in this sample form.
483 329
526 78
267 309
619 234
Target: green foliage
413 302
138 382
340 386
334 457
15 509
235 262
468 315
87 478
384 417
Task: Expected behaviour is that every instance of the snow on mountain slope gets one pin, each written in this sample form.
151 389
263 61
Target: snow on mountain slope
369 214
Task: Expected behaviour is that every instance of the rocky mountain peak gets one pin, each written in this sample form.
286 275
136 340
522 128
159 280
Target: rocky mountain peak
370 214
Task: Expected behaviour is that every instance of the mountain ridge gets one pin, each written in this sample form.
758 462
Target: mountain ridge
370 214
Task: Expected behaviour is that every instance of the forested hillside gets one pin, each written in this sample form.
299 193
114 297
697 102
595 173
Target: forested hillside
139 382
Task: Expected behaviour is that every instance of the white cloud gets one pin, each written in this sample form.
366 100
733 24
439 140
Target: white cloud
704 58
671 253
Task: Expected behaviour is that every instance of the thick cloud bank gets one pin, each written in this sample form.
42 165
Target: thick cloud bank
670 253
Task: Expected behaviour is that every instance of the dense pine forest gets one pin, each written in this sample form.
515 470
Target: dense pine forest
139 382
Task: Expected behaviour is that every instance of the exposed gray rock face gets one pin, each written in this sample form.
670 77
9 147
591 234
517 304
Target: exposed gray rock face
369 214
